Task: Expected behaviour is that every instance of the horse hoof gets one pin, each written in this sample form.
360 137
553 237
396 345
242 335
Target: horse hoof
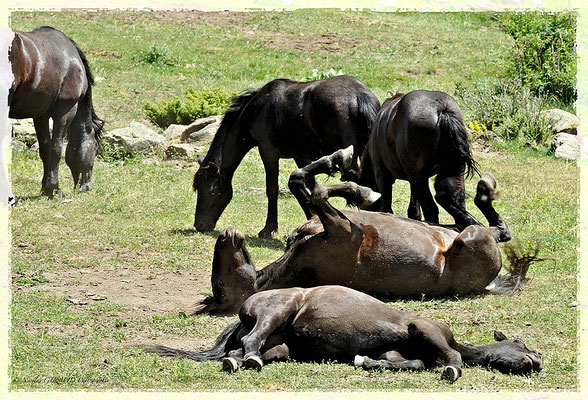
265 233
12 201
370 198
346 157
450 373
230 364
486 190
254 362
358 361
489 178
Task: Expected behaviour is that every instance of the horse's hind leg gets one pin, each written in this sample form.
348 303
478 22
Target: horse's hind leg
485 194
302 181
450 194
391 360
44 139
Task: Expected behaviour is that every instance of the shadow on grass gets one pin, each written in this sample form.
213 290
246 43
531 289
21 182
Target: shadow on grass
251 240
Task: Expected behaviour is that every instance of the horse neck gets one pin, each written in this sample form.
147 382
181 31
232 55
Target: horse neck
470 354
273 276
229 146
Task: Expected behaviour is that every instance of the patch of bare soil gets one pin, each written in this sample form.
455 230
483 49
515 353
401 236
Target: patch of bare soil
184 17
311 43
145 292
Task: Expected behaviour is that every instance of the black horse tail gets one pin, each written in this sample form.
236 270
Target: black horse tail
97 123
224 343
367 109
458 154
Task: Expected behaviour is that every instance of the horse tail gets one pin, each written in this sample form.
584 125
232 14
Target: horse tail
367 107
519 261
226 341
457 147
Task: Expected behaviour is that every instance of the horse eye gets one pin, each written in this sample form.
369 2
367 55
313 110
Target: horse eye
517 341
221 283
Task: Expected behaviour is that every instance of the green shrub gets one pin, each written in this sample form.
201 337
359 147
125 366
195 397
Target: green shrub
195 104
508 108
115 155
316 75
544 56
157 56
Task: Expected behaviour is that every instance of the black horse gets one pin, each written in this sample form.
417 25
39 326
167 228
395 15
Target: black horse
52 79
285 119
415 136
342 324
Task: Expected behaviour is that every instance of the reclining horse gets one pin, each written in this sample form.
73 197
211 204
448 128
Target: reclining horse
52 79
284 119
342 324
377 253
415 136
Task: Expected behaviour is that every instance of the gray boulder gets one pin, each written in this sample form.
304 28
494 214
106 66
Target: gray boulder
24 130
198 125
18 147
136 138
566 146
183 149
204 135
174 132
562 121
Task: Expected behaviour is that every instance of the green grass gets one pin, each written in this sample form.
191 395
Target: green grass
135 217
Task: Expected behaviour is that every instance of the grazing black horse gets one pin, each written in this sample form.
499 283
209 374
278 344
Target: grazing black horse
285 119
342 324
52 79
415 136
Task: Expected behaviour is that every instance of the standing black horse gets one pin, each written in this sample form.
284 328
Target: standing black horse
52 79
415 136
338 323
285 119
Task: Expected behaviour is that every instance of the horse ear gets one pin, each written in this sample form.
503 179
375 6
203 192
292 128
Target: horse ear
499 336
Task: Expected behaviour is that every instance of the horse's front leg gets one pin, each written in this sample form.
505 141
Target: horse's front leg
60 126
271 164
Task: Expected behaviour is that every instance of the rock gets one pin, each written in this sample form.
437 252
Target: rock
566 146
199 124
183 149
174 132
562 121
204 135
18 147
136 138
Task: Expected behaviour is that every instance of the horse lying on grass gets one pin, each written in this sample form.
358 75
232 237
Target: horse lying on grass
377 253
342 324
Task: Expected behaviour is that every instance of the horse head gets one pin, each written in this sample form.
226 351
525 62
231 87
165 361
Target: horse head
233 274
511 356
214 194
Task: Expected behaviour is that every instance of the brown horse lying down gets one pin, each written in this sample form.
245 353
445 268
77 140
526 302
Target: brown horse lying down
376 253
342 324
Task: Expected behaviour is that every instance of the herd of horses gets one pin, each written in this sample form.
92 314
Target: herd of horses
314 302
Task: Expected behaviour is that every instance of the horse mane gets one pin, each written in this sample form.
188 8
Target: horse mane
231 116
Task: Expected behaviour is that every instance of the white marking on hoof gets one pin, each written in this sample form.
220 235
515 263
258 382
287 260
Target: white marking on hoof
450 373
491 286
347 155
254 362
230 364
358 361
371 198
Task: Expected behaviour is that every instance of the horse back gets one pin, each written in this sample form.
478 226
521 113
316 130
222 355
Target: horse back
42 79
306 120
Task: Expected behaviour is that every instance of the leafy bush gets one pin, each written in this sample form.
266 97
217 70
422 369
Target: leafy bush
508 108
157 56
544 56
195 104
316 75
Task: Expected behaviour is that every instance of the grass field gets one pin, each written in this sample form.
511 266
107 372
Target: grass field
125 249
